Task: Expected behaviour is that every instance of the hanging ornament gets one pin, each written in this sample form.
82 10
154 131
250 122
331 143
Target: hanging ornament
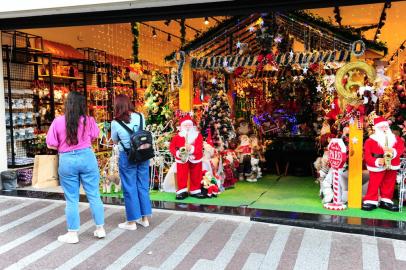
305 70
319 88
214 81
252 29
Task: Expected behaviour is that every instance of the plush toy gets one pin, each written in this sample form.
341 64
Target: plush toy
243 127
230 167
209 186
110 173
255 170
244 151
325 179
323 168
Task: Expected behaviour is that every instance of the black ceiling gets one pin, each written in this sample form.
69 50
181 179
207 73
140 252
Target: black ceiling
238 7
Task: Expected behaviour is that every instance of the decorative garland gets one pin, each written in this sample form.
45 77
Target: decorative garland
354 46
136 33
182 32
180 62
302 58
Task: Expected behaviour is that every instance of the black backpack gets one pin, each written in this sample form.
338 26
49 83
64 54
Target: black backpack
141 143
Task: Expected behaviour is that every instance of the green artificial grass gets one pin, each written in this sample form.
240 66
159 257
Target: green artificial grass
300 194
294 194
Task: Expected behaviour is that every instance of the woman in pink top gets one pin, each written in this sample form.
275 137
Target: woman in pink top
72 135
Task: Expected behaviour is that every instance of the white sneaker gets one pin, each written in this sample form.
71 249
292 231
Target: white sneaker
99 233
126 226
143 223
69 238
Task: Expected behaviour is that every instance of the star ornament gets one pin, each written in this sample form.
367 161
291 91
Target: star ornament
291 54
225 63
319 88
252 29
214 81
278 39
354 140
238 44
305 70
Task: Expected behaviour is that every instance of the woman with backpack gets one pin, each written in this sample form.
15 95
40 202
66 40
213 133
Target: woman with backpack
134 175
72 135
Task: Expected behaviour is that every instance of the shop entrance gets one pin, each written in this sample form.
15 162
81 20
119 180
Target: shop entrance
260 87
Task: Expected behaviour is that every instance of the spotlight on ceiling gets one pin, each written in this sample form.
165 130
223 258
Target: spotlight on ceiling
206 20
154 33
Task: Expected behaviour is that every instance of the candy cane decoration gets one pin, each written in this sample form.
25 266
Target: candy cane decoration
337 158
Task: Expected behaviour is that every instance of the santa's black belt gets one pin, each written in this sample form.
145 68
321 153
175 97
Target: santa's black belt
377 155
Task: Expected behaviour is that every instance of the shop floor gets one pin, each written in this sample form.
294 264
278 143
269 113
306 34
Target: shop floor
293 194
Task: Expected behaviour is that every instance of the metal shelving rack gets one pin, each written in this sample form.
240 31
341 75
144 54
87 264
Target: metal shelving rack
21 57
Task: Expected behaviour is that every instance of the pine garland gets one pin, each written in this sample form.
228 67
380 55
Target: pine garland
182 32
136 33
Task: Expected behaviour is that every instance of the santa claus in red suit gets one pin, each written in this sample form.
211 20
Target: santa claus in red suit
187 148
382 175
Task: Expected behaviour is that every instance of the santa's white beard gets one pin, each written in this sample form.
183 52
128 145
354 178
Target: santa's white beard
191 134
380 137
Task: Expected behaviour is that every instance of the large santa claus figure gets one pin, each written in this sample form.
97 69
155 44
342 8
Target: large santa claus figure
187 148
382 151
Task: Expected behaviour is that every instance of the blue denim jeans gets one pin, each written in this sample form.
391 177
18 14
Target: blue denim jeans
76 167
135 183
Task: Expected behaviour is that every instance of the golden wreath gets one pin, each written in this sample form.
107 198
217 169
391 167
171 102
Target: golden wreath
350 78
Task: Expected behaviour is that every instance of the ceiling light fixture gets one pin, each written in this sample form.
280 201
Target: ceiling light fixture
154 35
206 20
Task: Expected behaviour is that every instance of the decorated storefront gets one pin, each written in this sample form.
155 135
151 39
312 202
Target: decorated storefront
282 102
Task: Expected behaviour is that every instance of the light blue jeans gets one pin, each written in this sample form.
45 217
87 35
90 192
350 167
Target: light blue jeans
76 167
135 181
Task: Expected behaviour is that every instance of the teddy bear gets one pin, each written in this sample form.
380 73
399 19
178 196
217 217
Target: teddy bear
110 173
325 178
323 170
255 170
209 186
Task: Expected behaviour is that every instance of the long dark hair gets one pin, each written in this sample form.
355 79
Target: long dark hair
75 108
123 108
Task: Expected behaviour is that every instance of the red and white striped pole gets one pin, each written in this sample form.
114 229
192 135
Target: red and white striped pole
337 158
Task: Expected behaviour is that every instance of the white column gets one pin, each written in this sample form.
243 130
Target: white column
3 143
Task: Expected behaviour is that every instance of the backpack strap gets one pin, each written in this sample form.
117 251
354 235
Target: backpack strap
125 126
141 121
128 130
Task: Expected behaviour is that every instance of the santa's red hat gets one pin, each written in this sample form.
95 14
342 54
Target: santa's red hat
186 119
209 139
380 122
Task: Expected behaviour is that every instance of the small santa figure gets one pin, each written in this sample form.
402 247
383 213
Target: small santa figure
187 148
244 151
382 152
209 185
230 164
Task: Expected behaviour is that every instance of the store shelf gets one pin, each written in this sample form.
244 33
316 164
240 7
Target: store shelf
60 77
123 83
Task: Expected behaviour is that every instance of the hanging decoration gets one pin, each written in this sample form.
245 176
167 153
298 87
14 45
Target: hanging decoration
136 72
182 32
358 48
301 58
352 78
135 30
180 58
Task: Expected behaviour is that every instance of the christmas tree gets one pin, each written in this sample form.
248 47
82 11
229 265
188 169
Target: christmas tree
156 100
399 117
217 116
